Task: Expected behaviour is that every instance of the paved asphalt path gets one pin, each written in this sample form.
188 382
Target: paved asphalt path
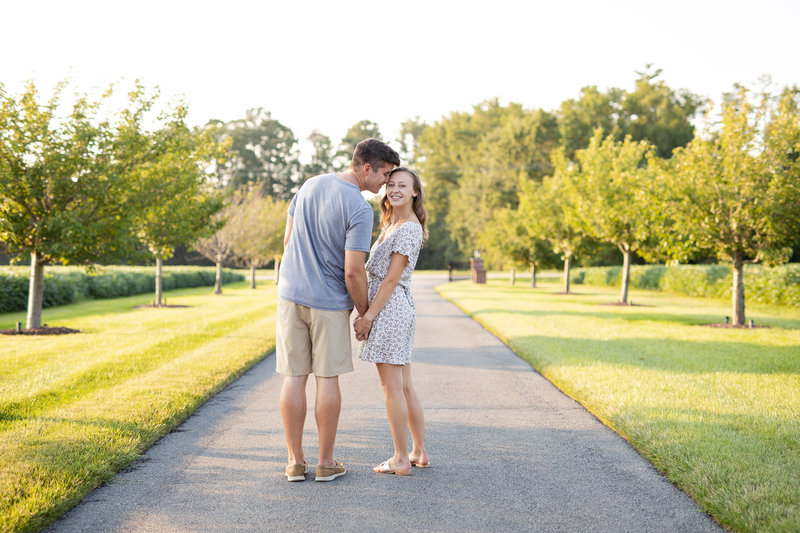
509 453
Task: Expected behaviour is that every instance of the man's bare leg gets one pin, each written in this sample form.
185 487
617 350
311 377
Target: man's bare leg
293 412
326 411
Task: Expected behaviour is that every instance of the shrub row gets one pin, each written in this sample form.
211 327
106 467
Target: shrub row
65 285
776 285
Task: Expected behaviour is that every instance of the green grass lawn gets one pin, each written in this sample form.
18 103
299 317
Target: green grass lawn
716 410
74 409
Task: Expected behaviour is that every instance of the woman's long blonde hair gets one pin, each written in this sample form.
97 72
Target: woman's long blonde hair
418 204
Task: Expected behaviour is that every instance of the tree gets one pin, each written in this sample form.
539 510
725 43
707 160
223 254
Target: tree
66 191
652 111
658 114
736 186
219 247
363 129
544 209
580 117
322 157
178 202
410 131
265 155
506 240
612 187
472 163
259 223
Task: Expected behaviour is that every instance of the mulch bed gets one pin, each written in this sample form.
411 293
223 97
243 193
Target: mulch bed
629 304
44 330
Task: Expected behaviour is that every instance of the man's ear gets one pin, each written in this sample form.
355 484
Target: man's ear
365 168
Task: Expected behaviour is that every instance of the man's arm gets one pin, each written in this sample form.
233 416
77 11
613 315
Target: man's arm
288 233
355 278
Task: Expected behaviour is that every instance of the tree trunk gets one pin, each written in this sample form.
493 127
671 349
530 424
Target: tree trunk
513 276
253 275
738 288
567 262
159 281
626 273
218 284
35 292
533 275
277 268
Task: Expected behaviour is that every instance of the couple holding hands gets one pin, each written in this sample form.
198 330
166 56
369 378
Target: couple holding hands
323 276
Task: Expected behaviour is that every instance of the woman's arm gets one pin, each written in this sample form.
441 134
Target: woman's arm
363 324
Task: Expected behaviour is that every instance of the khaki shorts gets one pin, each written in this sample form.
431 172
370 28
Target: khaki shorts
312 340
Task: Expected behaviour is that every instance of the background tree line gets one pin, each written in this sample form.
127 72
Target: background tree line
94 182
730 193
608 176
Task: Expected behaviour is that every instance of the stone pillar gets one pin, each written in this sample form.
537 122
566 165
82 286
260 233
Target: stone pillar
478 273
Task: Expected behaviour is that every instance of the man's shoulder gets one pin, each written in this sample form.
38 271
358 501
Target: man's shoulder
317 180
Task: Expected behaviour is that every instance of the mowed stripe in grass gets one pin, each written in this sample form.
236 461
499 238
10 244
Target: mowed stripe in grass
716 410
99 398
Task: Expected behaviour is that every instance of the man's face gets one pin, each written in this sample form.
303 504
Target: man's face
377 178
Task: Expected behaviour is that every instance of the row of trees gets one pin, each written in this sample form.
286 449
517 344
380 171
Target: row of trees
607 169
474 163
732 192
92 184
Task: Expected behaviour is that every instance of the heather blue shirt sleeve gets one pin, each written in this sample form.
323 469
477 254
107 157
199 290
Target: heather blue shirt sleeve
359 235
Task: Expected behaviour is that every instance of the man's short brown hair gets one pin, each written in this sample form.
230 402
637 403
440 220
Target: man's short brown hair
375 153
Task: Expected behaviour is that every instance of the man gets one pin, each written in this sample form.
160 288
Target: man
322 276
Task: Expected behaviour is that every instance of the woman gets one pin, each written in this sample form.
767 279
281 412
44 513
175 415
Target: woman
387 328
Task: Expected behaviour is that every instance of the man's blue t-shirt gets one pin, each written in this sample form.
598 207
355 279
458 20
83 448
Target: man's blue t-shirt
330 216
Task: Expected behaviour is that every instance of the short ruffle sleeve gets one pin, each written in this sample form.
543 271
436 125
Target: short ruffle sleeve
407 240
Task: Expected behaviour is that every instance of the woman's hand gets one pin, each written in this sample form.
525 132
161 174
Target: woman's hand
362 325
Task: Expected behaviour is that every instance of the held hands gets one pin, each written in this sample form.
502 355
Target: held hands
362 325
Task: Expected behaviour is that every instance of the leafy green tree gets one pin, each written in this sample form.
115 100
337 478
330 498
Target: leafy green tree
472 163
177 198
322 156
506 240
363 129
259 223
579 118
265 155
612 187
658 114
66 189
652 111
219 247
544 209
735 188
410 131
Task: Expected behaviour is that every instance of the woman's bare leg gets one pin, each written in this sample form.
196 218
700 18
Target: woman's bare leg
397 413
416 419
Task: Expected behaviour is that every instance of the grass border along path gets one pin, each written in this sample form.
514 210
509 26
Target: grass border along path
716 410
75 409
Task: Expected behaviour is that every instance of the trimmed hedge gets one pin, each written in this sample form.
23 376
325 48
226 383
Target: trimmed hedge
66 285
776 285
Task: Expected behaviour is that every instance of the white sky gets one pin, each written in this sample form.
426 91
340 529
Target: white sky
329 64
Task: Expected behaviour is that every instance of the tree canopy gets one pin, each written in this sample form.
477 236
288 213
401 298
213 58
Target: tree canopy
264 155
735 187
611 185
69 191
